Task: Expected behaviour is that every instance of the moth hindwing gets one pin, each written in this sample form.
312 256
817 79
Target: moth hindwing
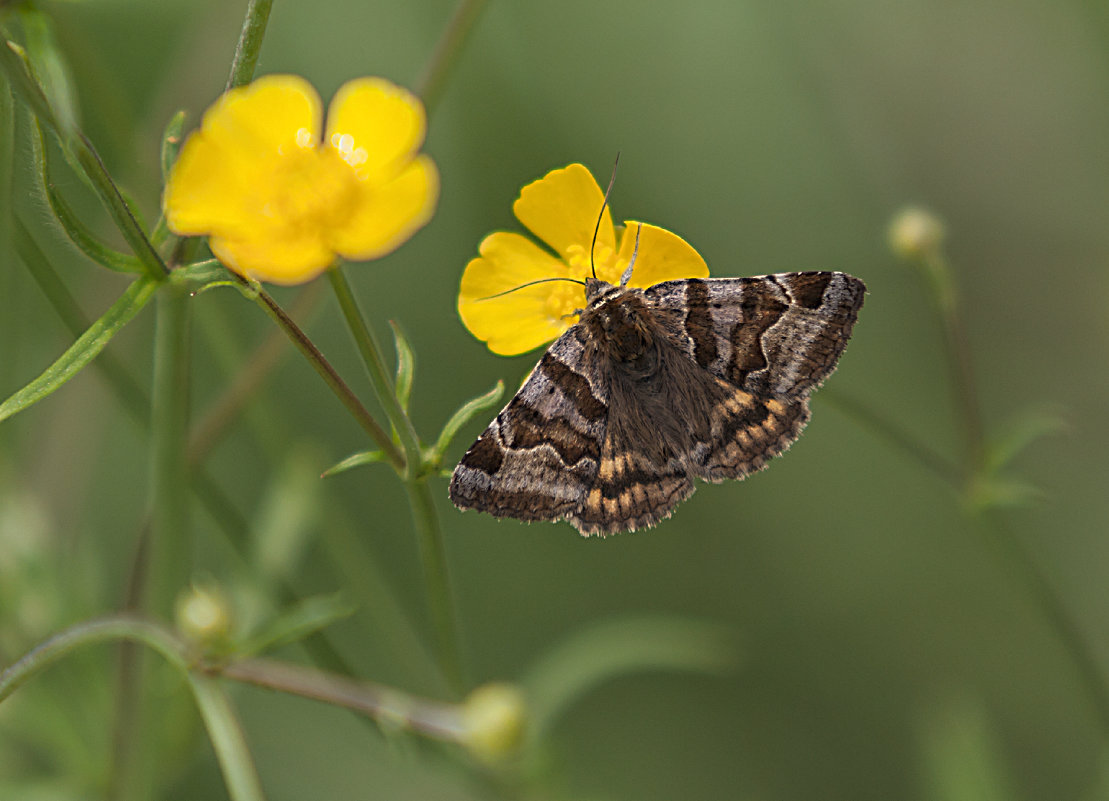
651 388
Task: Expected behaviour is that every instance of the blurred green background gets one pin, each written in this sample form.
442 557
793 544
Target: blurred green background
885 649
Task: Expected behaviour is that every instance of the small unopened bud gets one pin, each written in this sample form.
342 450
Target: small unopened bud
204 615
494 716
916 233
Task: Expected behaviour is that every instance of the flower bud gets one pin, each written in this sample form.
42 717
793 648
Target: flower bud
204 615
916 233
494 717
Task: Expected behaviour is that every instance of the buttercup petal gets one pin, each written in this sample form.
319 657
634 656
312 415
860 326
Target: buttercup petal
388 214
661 256
273 255
375 125
524 318
240 138
561 208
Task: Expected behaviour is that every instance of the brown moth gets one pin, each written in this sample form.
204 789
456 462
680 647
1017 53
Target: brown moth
651 388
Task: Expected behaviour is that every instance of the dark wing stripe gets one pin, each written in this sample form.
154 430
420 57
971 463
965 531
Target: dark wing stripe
698 322
574 386
524 427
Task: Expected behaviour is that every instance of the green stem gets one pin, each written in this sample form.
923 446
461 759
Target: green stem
892 433
430 84
428 533
250 43
384 704
963 384
219 718
170 562
326 372
375 368
436 581
1055 611
228 741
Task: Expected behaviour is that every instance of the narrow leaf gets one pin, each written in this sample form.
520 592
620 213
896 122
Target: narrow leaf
74 229
84 350
1021 433
304 618
614 648
48 66
357 460
171 143
406 366
13 60
462 416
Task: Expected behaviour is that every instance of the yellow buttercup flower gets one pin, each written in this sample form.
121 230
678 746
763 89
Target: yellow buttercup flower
279 204
561 209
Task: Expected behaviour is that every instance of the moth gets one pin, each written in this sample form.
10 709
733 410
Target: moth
653 388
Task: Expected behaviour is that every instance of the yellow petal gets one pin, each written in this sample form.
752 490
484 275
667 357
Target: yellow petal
524 318
385 215
561 208
269 254
375 125
661 256
240 137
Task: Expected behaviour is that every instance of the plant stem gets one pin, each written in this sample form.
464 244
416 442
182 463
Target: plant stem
938 273
219 718
228 741
428 533
327 373
436 581
250 43
892 433
170 559
429 86
384 704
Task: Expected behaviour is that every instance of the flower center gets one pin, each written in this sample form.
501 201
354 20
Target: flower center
608 266
313 189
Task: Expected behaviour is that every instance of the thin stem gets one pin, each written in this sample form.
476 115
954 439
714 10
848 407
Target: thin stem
108 629
375 368
228 741
246 383
384 704
1051 604
429 86
888 430
426 521
958 351
250 43
333 380
219 718
436 580
170 562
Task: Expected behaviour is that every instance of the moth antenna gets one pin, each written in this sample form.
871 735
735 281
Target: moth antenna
627 276
533 283
601 214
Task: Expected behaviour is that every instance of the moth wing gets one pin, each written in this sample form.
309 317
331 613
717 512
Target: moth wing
769 341
773 336
539 456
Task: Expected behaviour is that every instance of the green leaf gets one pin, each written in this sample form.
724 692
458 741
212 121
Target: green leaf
84 350
74 229
406 366
201 276
1022 432
49 68
13 60
304 618
356 460
612 648
171 143
460 418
